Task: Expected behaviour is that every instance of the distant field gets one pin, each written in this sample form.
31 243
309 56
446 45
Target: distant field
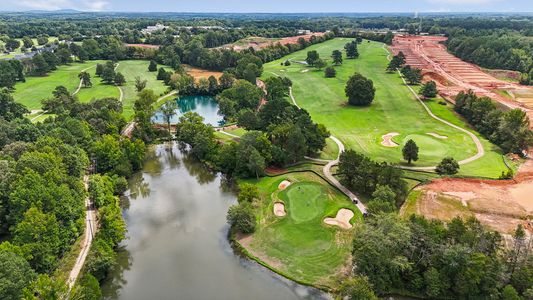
131 69
300 245
35 89
393 110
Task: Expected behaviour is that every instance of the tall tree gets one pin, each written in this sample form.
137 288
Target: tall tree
312 57
140 84
351 50
410 151
359 90
429 89
448 166
85 79
336 55
168 109
152 67
119 79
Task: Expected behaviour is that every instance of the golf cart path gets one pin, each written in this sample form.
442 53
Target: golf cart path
331 163
121 98
477 142
90 230
79 85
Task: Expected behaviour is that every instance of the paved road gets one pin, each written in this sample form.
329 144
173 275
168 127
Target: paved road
90 231
475 139
331 163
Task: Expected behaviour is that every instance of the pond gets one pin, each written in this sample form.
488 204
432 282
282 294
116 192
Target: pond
177 246
205 106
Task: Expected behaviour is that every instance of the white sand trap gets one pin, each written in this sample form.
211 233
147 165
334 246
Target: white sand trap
433 134
279 209
342 219
387 139
304 71
284 184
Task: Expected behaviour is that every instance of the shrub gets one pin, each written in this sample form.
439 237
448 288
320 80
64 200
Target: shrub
448 166
330 72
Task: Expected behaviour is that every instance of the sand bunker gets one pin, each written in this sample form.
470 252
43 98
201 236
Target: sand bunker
342 219
304 71
279 209
433 134
387 139
284 184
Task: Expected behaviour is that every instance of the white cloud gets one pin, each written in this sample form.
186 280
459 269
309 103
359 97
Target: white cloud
96 5
45 4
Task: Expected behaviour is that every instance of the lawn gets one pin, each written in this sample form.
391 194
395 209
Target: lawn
394 110
19 50
35 89
131 69
300 245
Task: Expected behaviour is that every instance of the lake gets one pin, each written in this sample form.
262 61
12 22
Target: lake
177 246
205 106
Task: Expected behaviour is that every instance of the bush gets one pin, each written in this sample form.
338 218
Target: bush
241 217
330 72
448 166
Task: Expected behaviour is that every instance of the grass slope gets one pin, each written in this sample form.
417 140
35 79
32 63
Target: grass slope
131 69
35 89
394 110
300 245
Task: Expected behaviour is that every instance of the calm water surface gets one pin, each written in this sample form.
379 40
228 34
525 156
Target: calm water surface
177 245
206 106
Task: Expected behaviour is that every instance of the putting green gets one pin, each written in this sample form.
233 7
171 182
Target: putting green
394 110
303 247
304 201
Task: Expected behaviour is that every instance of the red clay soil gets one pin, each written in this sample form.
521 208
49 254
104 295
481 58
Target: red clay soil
499 204
146 46
451 73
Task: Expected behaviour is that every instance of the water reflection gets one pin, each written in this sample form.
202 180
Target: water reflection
177 245
206 106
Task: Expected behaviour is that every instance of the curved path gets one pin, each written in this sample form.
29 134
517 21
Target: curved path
121 98
79 85
477 142
331 163
90 231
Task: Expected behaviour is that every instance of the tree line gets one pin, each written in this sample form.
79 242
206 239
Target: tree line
42 193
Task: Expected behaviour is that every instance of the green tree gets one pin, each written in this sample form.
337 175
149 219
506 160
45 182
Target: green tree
319 64
152 67
16 274
9 109
351 50
64 55
429 89
99 69
249 73
410 151
396 62
448 166
357 288
119 79
168 109
144 110
336 55
248 193
330 72
412 75
242 218
139 84
107 153
27 42
38 234
163 75
46 288
434 283
360 90
509 293
383 200
108 74
88 288
85 79
12 44
226 80
312 57
40 66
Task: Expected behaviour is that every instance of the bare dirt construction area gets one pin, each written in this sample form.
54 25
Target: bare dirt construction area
499 204
342 219
198 73
386 140
258 43
279 209
454 75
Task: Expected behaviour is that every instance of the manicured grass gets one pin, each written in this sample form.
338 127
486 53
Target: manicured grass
331 151
35 89
394 110
19 50
306 248
131 69
98 90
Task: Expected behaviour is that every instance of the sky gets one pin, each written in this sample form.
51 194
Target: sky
273 6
